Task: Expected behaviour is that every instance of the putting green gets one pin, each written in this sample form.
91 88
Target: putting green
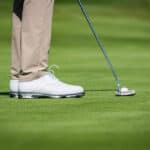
99 120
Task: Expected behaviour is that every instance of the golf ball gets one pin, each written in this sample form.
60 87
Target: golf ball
124 89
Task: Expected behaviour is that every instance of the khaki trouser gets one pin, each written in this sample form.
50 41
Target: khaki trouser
31 36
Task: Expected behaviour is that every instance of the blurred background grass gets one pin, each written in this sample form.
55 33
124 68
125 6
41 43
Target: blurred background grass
99 120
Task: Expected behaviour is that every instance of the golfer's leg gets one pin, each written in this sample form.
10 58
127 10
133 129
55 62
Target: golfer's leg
46 35
16 39
35 81
35 38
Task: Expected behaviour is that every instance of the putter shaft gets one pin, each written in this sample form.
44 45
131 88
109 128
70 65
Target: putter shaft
99 43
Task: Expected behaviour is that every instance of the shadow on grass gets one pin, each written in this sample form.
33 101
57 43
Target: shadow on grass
88 90
4 93
100 90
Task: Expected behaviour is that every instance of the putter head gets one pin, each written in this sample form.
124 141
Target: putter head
125 92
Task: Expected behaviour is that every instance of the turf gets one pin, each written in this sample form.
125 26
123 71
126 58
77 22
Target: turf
99 120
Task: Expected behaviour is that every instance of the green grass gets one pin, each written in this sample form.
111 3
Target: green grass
99 120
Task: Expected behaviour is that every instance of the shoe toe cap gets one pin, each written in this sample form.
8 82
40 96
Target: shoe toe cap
80 89
76 89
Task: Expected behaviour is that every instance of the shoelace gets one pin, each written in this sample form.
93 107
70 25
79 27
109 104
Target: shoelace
52 69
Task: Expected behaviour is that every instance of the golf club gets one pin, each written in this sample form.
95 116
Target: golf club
121 91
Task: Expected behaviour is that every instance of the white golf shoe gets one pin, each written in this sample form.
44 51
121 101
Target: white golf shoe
48 86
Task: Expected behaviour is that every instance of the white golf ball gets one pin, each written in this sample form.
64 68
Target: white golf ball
124 89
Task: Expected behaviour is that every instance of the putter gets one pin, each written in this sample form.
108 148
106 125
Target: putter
121 91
